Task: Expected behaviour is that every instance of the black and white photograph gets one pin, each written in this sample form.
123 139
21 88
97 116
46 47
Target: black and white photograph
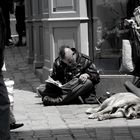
69 69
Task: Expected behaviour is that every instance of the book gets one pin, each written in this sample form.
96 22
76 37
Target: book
50 80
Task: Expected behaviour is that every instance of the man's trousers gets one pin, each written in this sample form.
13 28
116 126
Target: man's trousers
4 111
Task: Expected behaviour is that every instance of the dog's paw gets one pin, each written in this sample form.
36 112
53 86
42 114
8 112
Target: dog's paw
103 117
91 110
93 116
100 118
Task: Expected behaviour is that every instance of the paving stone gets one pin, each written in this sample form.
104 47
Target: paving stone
123 138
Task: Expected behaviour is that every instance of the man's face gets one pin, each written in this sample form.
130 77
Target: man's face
70 57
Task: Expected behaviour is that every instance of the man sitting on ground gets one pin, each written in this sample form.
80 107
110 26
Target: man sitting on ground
70 68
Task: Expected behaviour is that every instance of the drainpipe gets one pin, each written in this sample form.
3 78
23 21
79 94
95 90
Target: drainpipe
91 11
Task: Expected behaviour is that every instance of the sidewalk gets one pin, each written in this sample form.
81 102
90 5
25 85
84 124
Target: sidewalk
68 122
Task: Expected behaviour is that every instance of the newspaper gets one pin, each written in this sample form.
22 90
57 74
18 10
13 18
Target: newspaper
50 80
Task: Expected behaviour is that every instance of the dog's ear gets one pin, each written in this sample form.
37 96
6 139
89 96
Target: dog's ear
128 106
137 107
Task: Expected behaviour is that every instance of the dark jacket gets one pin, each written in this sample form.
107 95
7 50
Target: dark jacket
7 5
131 5
64 73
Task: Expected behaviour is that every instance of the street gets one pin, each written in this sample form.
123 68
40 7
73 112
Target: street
66 122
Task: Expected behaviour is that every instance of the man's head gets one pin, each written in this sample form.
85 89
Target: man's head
67 55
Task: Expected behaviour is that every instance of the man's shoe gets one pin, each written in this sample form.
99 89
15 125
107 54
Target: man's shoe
16 125
40 90
51 101
92 99
9 42
19 44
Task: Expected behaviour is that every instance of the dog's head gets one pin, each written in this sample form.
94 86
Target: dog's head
133 111
137 109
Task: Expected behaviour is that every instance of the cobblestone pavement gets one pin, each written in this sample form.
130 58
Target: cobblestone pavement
68 122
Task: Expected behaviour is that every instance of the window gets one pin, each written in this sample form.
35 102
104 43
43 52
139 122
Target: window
109 28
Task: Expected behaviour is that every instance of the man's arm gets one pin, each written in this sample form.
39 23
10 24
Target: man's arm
58 71
93 73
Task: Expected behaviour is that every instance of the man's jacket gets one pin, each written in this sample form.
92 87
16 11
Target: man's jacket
64 73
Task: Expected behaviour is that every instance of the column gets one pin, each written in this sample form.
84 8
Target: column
29 31
64 23
37 33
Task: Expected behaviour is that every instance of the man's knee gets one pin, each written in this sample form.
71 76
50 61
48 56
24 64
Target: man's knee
80 89
88 83
87 86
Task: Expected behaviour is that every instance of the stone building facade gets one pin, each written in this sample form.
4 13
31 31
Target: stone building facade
94 27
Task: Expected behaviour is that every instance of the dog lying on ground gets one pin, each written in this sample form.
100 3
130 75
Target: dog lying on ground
119 105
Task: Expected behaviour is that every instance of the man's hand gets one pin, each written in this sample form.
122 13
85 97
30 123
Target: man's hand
83 77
